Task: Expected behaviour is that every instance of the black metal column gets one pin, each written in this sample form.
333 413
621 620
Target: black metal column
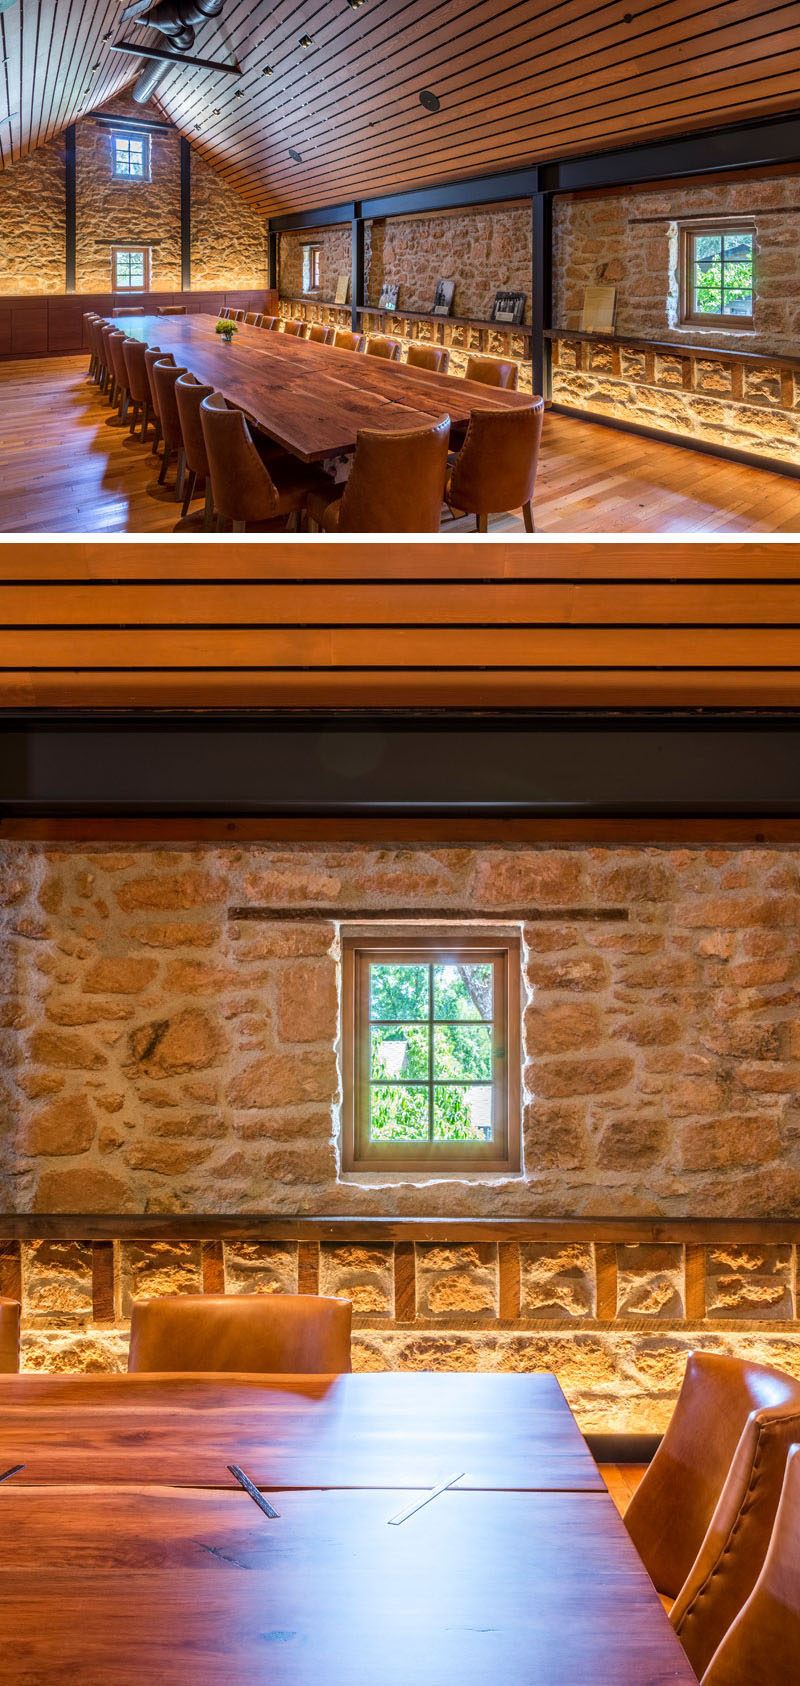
70 209
357 271
542 293
186 215
272 258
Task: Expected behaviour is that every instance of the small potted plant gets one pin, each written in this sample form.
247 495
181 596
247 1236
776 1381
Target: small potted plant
226 328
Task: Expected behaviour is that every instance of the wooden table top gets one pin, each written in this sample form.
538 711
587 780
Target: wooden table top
385 1430
312 399
162 1586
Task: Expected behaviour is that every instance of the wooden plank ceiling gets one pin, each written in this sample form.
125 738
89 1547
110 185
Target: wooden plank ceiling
516 83
304 625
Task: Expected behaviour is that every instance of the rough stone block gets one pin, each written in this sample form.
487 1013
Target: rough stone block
362 1274
57 1282
650 1280
149 1270
457 1281
260 1267
749 1282
556 1281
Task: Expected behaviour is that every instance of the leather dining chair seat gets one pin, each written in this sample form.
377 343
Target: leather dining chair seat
395 484
382 346
252 486
762 1644
9 1337
295 327
495 469
436 358
702 1517
154 355
189 395
257 1334
320 334
348 341
493 371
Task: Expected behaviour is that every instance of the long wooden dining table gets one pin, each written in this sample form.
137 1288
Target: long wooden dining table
310 398
432 1528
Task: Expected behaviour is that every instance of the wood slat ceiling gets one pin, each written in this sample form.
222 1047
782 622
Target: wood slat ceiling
516 83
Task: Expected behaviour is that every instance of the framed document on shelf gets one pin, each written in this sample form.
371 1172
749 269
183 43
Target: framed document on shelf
443 298
342 289
390 293
508 307
599 310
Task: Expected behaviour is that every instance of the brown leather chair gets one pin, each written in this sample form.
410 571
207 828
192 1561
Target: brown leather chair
9 1337
433 357
253 318
89 318
269 322
94 327
235 315
259 1334
189 395
134 352
247 489
109 382
275 324
762 1645
164 377
496 466
154 355
396 484
702 1517
295 327
320 334
171 310
493 371
101 329
347 341
381 346
119 392
129 310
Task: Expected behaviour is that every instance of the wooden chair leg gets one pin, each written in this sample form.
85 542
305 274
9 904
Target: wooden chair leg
123 413
165 460
191 481
238 526
180 472
527 516
145 418
481 523
156 435
208 512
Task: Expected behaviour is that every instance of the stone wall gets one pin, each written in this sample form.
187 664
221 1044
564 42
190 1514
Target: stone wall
630 240
162 1057
335 260
33 222
229 240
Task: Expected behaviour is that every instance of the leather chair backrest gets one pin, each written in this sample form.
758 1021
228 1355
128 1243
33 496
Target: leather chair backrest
276 323
727 1565
295 327
254 318
433 357
762 1644
320 333
493 371
154 355
671 1510
496 466
270 322
134 352
259 1334
129 310
396 483
347 341
381 346
9 1337
171 310
242 486
115 345
164 377
189 395
236 316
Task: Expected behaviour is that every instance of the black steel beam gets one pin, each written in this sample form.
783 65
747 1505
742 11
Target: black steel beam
272 259
70 210
138 123
357 267
547 765
542 294
163 56
746 146
324 218
478 190
186 215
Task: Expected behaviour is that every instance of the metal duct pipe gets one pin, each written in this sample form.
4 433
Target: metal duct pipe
175 19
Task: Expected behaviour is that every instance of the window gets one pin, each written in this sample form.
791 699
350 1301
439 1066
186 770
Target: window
717 276
430 1049
130 269
311 268
131 155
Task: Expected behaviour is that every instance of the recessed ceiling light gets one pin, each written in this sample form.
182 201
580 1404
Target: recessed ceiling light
216 113
305 41
239 94
268 70
354 4
429 100
295 155
95 67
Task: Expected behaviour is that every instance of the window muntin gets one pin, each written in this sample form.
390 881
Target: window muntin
718 281
431 1052
130 269
131 157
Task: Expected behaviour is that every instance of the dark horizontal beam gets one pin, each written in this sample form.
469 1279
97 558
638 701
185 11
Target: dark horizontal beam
164 56
190 1226
520 765
140 124
742 146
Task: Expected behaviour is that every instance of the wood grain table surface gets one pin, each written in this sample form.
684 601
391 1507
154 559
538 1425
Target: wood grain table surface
312 399
402 1430
153 1586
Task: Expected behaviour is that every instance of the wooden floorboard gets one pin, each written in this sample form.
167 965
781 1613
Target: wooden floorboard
622 1481
68 466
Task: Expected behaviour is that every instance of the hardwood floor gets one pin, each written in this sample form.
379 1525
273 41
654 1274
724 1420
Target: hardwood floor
67 465
622 1481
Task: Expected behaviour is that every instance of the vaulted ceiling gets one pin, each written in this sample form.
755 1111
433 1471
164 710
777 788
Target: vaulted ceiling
515 83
